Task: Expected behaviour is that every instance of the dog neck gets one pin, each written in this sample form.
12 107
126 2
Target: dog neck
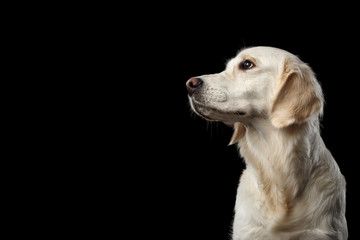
277 158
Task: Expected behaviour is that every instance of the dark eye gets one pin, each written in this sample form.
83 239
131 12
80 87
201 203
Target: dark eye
245 65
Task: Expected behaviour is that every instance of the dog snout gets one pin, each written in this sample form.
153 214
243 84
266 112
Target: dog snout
192 84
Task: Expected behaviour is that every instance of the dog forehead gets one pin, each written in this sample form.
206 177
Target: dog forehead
263 57
262 52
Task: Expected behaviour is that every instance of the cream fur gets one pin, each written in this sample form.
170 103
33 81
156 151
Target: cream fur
292 188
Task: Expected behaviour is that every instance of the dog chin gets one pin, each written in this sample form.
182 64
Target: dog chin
203 112
214 114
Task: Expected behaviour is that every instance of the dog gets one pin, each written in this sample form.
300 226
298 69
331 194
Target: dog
291 188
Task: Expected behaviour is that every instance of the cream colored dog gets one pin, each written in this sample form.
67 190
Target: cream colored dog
292 187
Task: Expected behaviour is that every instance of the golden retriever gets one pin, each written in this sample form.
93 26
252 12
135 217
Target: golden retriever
292 188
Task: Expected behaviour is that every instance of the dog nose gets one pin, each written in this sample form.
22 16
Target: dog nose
192 84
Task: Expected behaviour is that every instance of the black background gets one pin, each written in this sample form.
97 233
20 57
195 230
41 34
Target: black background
162 172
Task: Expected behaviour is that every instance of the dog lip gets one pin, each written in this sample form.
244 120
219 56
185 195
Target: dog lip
242 113
197 104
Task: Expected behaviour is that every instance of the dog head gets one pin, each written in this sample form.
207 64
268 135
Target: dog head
260 82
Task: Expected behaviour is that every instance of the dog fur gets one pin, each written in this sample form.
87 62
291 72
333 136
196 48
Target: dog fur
291 188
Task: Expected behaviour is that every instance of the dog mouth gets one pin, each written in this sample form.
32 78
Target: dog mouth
214 114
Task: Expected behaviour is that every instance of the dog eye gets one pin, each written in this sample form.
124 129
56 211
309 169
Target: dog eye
245 65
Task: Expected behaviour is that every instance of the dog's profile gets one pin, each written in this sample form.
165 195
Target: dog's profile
292 188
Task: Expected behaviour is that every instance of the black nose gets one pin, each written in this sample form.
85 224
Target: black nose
192 84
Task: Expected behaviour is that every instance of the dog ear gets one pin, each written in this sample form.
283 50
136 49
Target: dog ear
298 97
239 132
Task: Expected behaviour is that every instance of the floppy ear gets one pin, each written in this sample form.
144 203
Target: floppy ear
239 132
299 95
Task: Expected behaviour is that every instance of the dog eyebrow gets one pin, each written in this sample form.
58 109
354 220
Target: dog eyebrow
250 58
